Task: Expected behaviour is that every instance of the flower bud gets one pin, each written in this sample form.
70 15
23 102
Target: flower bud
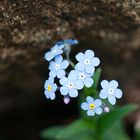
66 100
106 109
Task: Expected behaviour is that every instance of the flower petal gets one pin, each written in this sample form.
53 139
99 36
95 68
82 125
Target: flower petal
63 81
79 84
98 102
98 110
52 96
89 99
90 113
112 99
47 94
58 59
64 90
64 64
72 76
49 56
54 87
52 65
58 52
89 54
113 84
118 93
88 82
73 93
85 106
52 73
61 74
105 84
103 94
80 66
90 69
95 61
46 84
61 46
51 80
80 57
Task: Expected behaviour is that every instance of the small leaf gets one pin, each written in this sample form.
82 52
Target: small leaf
51 132
96 78
93 89
107 120
79 126
116 132
86 135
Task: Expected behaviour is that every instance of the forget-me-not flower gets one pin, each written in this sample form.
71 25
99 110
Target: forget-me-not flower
57 67
87 61
50 88
71 85
110 91
68 42
85 78
56 50
92 106
67 45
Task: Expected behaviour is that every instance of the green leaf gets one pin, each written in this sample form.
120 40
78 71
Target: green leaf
51 132
86 135
107 120
96 78
115 132
79 126
75 129
93 89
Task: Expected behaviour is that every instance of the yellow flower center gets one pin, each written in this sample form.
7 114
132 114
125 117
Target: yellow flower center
49 88
92 106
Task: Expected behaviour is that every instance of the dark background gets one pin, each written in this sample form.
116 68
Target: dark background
28 28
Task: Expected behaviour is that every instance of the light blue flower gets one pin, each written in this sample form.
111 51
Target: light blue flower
92 106
71 85
56 50
50 88
68 42
87 61
85 78
57 67
110 91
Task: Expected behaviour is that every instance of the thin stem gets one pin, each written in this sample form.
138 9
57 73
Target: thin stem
71 63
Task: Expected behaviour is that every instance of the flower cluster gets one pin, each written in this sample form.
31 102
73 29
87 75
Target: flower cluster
79 77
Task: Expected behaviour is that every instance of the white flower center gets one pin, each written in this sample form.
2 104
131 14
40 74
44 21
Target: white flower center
82 76
57 66
111 91
54 51
87 61
71 85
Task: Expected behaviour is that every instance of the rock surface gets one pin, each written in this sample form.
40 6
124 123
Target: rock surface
28 28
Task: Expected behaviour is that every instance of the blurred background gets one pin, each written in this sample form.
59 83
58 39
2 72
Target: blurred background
28 28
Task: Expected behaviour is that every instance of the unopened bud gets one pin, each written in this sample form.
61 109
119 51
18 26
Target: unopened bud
106 109
66 100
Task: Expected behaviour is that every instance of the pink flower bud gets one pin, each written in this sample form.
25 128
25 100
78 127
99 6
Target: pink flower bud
106 109
66 100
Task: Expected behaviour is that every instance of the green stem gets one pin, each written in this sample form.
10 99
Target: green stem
71 63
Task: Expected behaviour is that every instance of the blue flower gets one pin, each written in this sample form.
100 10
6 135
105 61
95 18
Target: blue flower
92 106
57 67
50 88
110 91
68 42
56 50
71 85
87 61
85 78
